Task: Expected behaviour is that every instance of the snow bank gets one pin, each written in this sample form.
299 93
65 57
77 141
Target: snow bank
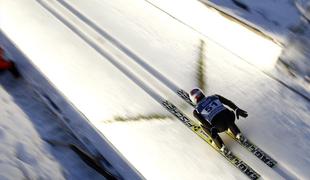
272 17
47 126
296 56
23 155
269 16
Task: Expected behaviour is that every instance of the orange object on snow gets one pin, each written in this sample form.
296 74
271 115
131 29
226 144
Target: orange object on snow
4 64
8 65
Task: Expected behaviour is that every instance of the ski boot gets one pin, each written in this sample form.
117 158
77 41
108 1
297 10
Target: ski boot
241 138
225 150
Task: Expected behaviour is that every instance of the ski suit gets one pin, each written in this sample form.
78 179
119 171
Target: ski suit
215 117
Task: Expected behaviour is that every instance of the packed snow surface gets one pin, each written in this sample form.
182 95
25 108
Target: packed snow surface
71 57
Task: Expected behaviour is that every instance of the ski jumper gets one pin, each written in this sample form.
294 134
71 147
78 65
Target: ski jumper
214 116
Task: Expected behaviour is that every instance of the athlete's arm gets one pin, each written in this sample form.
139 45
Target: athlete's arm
227 102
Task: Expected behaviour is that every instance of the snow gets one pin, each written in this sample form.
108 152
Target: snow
23 154
25 122
271 17
296 55
102 82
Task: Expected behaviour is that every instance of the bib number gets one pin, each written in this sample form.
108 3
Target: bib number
211 107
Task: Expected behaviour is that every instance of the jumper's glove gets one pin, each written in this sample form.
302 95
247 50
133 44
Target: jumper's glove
240 112
214 132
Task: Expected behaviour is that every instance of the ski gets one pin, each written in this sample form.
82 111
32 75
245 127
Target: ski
251 147
255 150
195 127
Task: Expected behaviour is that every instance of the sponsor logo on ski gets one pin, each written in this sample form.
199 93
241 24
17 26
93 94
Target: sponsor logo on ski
260 154
245 168
171 108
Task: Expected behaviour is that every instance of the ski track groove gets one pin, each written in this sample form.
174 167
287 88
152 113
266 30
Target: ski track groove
284 172
119 45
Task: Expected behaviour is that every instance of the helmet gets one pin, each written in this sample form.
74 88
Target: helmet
196 95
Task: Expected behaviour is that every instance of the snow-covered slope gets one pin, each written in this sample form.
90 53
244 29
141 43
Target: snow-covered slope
86 67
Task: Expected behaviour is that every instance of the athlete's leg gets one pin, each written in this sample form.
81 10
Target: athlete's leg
217 139
229 117
234 129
